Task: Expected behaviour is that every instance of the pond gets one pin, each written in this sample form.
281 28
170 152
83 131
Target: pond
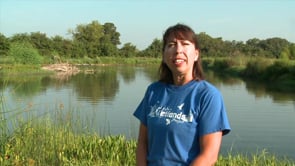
102 99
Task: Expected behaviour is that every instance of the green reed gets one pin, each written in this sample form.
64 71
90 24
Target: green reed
41 142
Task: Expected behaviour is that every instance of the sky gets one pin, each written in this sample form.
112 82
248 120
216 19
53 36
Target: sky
139 22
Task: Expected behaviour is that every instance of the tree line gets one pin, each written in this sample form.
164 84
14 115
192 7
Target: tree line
96 40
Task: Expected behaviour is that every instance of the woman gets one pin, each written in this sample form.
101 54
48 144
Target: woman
182 116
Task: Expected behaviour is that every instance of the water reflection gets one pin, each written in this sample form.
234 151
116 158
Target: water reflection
258 89
264 90
103 83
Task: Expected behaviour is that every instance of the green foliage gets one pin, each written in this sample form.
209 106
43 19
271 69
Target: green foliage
108 49
4 45
25 53
277 70
128 50
111 34
41 142
256 68
20 37
62 47
292 51
225 63
285 54
261 158
41 42
274 45
154 50
93 40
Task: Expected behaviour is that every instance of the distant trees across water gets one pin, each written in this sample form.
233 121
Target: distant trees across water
96 40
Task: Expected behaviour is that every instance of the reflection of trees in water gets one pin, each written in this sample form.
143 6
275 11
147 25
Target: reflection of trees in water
265 89
100 85
23 86
151 72
103 83
259 89
128 73
219 78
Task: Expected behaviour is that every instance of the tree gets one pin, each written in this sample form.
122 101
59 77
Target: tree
41 42
153 50
204 43
20 37
254 48
108 49
211 46
95 39
292 51
274 46
128 50
88 38
4 45
111 34
62 47
288 52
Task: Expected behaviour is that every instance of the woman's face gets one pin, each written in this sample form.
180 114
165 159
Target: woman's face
179 56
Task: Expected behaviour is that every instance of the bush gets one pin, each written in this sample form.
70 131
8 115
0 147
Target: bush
256 68
25 53
278 69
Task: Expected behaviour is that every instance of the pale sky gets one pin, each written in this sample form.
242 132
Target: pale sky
141 21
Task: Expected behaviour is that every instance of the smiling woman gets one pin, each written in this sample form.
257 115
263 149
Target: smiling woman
180 106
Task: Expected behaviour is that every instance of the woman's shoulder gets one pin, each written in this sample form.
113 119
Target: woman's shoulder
156 85
207 87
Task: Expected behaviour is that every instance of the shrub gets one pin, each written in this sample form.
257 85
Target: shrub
278 69
256 68
25 53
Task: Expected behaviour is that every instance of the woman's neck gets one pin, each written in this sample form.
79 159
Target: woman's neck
182 79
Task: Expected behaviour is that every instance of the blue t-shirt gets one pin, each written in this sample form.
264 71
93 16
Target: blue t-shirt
176 116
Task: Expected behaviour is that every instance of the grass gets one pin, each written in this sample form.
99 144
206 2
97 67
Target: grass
48 145
39 141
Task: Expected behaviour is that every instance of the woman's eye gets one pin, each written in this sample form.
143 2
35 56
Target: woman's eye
186 43
171 44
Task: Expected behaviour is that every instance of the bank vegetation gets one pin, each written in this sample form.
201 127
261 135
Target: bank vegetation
93 43
42 141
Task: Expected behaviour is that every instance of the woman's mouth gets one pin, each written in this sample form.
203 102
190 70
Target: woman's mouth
178 61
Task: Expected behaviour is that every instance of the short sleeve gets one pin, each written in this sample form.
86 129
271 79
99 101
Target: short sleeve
141 111
213 117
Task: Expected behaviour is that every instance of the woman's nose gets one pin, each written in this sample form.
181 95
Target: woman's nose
179 48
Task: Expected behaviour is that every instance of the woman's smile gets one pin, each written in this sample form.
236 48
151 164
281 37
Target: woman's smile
178 62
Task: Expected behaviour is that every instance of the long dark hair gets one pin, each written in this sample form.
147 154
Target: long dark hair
182 32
